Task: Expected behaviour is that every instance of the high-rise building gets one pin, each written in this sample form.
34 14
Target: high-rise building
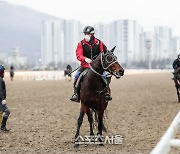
72 33
52 45
16 59
59 41
163 42
46 42
102 33
176 47
126 36
133 45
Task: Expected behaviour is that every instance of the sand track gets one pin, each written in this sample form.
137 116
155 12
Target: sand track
43 120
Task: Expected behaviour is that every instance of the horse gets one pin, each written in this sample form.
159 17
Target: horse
177 81
92 91
67 74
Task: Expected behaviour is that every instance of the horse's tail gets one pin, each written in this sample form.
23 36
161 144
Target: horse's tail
95 119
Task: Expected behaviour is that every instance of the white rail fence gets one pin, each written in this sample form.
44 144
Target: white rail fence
168 139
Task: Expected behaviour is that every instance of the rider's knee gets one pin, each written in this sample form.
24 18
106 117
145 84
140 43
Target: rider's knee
77 75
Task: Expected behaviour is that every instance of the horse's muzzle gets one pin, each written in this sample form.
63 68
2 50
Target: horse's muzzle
118 74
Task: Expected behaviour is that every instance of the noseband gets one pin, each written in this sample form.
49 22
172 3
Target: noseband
106 61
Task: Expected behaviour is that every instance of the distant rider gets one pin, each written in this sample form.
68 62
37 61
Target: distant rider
11 72
3 106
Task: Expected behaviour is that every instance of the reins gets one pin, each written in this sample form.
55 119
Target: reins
104 68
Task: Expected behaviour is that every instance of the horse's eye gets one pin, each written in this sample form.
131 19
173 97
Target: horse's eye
109 59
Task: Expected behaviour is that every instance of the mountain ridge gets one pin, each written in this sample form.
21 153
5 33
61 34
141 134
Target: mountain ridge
21 27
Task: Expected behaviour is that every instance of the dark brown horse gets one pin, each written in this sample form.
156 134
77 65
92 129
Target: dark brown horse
93 88
177 81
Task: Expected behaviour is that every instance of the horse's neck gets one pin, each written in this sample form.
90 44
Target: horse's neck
92 76
96 65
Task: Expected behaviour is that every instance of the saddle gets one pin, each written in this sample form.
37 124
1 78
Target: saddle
82 75
80 78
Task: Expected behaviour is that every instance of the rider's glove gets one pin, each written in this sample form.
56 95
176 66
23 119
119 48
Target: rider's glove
87 60
3 102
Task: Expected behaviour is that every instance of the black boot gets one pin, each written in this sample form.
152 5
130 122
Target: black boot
108 97
75 96
3 125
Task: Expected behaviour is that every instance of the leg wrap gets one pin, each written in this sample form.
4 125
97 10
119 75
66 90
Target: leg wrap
1 113
6 113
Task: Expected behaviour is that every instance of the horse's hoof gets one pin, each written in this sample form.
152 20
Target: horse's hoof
101 144
76 145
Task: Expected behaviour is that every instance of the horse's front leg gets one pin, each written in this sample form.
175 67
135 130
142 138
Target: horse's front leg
79 123
90 119
83 110
177 89
178 94
100 127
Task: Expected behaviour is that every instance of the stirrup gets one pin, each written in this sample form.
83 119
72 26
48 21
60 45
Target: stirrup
75 98
108 97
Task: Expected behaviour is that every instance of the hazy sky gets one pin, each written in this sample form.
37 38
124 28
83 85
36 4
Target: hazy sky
147 13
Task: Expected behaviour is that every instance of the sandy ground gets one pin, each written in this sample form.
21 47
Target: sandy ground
43 120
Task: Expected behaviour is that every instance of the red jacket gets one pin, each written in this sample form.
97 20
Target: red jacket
79 51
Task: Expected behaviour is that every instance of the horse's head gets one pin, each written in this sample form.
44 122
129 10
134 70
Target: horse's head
109 63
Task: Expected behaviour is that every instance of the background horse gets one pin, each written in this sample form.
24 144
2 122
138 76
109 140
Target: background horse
67 73
177 81
93 89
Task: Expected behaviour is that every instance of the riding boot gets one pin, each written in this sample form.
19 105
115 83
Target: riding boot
3 124
108 96
75 96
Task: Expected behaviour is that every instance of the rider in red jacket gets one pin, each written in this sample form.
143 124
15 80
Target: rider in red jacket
87 50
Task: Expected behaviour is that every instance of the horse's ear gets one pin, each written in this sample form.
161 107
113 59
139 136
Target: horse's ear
113 49
105 51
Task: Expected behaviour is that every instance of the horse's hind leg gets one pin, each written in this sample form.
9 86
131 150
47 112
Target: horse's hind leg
90 119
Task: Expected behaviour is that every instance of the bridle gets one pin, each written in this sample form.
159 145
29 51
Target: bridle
107 59
105 62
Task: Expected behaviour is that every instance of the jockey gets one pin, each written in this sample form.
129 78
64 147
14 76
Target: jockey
11 72
87 49
176 63
3 107
68 67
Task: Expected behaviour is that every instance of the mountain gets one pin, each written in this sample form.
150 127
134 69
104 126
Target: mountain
21 27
